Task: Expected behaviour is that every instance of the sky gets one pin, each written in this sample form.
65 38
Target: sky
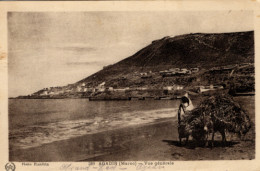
47 49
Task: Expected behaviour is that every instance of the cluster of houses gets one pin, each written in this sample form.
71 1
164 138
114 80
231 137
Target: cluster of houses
178 71
100 88
171 72
229 68
82 87
54 91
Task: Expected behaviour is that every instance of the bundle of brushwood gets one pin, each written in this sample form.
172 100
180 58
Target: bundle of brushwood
218 113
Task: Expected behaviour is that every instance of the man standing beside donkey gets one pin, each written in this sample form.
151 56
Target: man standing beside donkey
186 105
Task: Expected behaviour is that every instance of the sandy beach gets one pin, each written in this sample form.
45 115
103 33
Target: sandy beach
152 141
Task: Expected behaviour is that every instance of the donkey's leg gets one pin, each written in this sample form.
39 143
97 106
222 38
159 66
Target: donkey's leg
212 139
224 140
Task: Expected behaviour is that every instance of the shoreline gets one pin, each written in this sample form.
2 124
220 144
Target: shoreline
81 141
64 130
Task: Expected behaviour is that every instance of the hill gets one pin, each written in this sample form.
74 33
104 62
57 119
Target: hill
191 50
195 50
198 50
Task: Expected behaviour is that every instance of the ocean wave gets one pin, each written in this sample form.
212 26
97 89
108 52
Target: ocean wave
37 135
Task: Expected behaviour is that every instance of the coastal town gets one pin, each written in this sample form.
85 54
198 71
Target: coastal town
170 84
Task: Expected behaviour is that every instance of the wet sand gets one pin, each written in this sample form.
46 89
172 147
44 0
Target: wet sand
153 141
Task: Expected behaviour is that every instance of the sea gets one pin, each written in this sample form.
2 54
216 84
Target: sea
34 122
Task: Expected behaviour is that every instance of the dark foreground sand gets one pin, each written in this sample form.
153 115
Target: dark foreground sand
154 141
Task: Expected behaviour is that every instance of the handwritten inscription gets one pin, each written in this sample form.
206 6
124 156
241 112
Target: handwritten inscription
122 165
143 167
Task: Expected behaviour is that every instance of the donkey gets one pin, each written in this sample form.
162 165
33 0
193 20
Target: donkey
211 126
214 124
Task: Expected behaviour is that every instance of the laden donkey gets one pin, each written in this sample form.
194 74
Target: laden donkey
215 124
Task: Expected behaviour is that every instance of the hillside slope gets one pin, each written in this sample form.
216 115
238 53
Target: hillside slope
193 50
190 50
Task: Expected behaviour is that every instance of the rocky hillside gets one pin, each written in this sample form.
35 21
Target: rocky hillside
191 50
195 50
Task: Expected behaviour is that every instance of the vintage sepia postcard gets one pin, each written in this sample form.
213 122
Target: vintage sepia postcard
129 85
